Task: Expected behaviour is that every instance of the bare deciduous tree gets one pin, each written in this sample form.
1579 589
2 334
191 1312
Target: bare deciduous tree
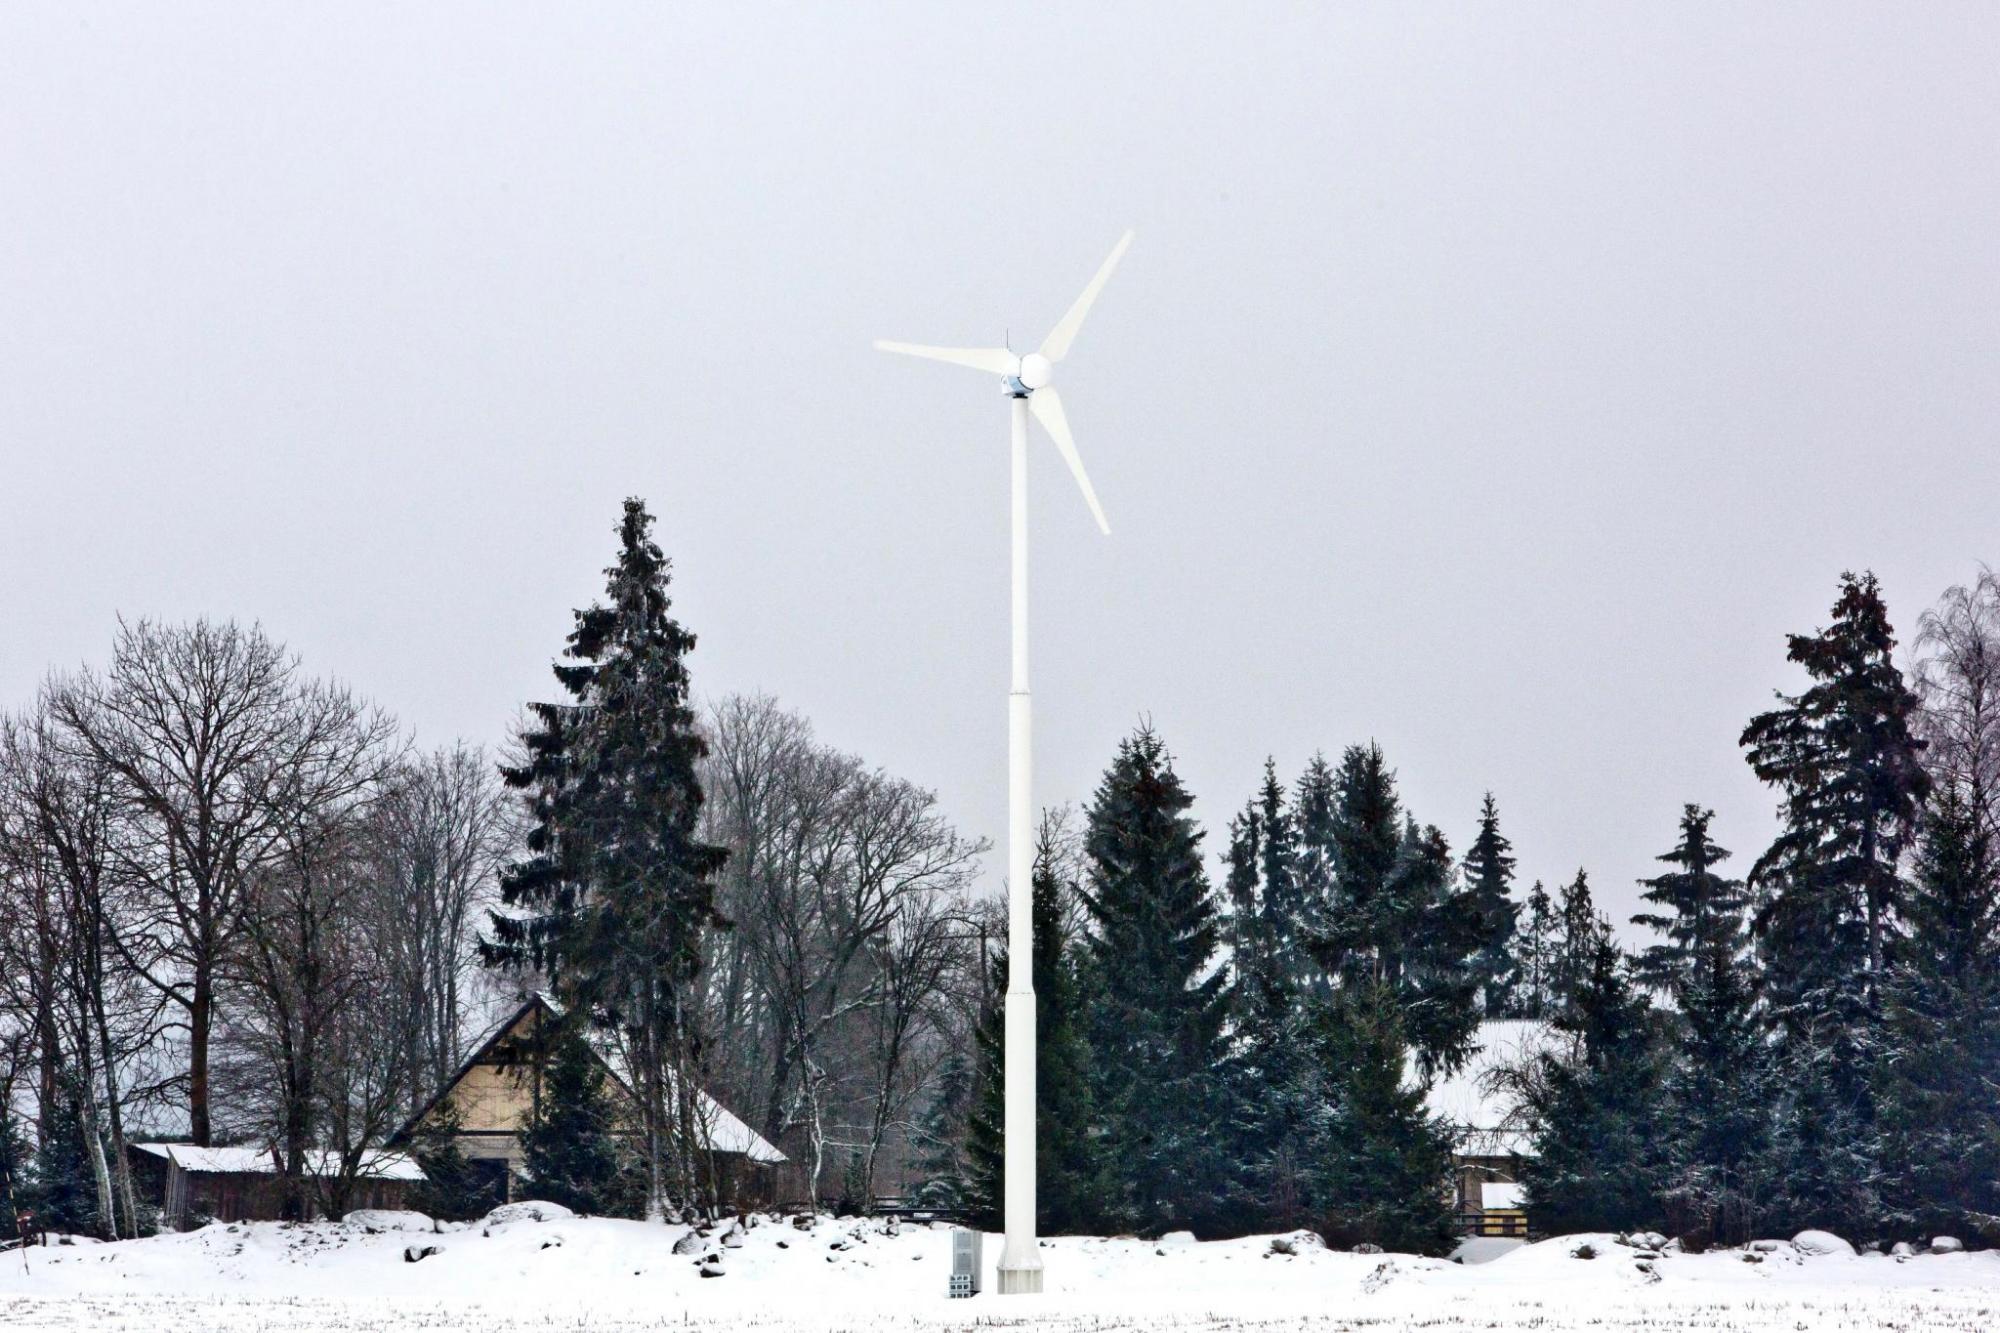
212 738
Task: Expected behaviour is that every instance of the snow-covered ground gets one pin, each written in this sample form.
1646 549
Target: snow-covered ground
521 1273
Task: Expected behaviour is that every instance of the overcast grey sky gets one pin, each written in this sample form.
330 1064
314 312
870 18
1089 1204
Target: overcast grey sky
1500 382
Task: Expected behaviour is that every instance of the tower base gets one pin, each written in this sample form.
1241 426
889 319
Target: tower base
1020 1281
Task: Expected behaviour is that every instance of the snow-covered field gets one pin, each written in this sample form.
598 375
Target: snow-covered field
522 1273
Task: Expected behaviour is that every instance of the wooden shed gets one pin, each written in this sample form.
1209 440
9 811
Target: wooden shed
246 1184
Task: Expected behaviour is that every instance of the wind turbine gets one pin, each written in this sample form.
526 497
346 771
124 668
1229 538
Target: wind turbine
1026 382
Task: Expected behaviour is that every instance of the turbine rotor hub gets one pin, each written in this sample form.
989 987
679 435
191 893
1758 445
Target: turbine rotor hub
1034 372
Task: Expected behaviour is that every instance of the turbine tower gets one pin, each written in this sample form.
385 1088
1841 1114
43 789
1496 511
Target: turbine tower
1026 381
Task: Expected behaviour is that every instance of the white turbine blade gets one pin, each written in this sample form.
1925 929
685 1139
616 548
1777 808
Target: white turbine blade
998 360
1048 409
1056 346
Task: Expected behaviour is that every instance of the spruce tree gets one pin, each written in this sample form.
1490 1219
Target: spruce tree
1715 1107
942 1135
1070 1174
1489 880
1940 1057
1579 932
1694 901
1264 1076
1157 997
1536 951
1314 864
615 893
65 1194
1279 900
14 1162
1397 919
1846 763
569 1146
1590 1107
1380 1162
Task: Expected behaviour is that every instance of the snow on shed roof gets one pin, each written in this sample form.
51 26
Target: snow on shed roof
376 1163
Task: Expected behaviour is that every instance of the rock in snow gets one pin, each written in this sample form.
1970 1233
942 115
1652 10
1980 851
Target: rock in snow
689 1243
1820 1242
528 1210
1946 1245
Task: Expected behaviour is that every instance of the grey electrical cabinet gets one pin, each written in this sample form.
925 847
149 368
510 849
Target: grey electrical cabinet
965 1251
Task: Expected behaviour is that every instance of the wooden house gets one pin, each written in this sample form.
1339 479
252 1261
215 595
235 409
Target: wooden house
495 1092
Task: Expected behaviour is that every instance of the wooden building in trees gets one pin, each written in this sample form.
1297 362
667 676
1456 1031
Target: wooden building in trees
1489 1139
189 1184
493 1097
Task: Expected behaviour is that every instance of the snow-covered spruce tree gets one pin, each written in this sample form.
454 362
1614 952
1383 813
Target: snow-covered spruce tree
1398 920
1489 882
1269 1078
1846 764
1591 1108
1157 997
1715 1112
1313 830
1070 1174
570 1146
1940 1056
941 1133
1380 1163
616 890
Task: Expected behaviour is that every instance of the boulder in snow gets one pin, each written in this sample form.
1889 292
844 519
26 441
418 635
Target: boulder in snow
732 1239
1946 1245
375 1221
528 1210
711 1270
414 1253
1819 1243
689 1243
1902 1249
1178 1238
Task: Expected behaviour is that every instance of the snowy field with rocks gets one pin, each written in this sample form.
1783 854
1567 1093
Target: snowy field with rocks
535 1267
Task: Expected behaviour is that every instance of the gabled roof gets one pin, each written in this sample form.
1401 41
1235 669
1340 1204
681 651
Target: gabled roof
726 1133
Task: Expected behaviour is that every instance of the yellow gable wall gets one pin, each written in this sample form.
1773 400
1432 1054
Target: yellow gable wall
496 1097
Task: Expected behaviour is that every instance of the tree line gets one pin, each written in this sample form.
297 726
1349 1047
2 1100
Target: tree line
1814 1044
240 906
